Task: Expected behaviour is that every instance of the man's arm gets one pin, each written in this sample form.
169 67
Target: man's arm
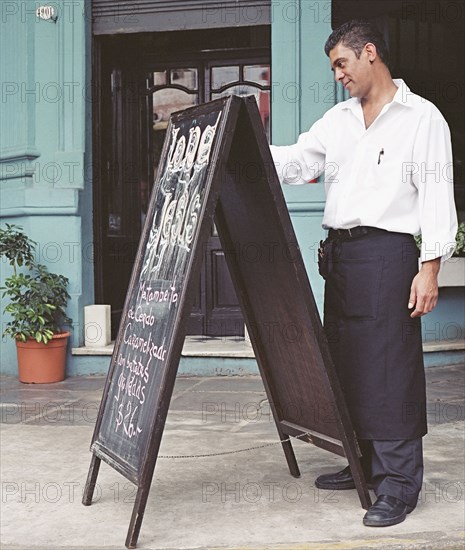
303 161
433 179
438 216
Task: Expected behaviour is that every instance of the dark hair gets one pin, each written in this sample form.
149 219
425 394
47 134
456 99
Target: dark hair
355 34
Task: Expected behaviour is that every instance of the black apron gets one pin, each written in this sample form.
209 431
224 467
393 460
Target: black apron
375 345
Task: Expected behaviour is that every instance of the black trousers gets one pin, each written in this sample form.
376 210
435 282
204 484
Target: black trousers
394 467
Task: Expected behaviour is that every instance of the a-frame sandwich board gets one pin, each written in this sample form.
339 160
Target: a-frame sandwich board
216 164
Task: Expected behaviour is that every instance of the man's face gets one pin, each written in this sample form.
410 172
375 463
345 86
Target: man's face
354 73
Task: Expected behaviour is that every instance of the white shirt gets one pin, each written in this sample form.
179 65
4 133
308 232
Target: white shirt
396 175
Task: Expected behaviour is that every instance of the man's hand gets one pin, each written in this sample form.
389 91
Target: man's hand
424 289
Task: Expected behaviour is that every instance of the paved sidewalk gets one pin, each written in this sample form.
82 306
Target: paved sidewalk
244 500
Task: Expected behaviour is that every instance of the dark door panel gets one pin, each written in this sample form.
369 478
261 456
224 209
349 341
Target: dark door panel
120 255
224 316
197 319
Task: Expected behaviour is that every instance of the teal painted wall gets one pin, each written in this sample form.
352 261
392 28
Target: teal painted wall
45 113
303 90
447 321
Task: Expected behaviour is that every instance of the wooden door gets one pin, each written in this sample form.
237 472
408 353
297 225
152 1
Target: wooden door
135 110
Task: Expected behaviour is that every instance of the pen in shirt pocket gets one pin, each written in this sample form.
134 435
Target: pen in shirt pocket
380 153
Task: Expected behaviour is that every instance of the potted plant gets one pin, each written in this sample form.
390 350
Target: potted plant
37 306
452 272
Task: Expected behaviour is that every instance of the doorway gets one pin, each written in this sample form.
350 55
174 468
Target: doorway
143 79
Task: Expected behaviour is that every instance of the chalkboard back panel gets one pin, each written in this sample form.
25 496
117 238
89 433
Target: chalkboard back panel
162 287
273 288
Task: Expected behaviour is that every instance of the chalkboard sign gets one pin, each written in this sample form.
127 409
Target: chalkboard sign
216 162
155 300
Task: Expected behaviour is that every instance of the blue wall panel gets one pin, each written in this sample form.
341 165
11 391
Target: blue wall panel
303 90
45 115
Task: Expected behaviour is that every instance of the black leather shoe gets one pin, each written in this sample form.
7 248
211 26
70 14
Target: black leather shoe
339 481
386 511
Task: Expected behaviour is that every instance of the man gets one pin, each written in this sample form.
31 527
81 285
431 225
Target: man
386 153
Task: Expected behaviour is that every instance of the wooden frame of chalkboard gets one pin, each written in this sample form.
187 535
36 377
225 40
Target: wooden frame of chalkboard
278 304
216 163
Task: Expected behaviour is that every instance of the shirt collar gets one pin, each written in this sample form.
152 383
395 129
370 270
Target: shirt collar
403 96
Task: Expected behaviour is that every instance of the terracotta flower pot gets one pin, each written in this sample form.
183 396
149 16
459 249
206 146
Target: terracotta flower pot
40 363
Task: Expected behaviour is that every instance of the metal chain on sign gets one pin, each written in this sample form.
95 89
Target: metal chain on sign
237 450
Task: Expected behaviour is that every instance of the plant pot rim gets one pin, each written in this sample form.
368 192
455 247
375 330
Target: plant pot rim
56 336
63 334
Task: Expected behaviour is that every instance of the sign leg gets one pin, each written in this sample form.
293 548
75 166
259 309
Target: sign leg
288 452
290 457
357 473
91 481
137 516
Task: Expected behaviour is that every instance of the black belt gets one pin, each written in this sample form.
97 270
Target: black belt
353 232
